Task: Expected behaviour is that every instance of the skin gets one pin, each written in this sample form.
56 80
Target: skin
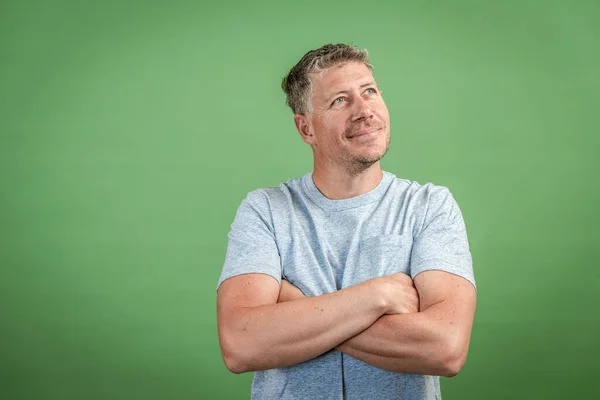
348 130
390 322
257 332
433 341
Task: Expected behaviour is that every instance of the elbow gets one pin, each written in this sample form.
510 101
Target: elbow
234 364
233 355
453 359
451 367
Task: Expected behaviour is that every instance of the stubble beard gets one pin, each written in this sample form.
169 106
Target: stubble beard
358 163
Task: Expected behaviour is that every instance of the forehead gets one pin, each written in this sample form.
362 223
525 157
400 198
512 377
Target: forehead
340 77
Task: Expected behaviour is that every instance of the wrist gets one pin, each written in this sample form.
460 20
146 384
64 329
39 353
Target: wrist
377 293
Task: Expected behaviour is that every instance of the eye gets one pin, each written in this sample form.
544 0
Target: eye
339 100
370 91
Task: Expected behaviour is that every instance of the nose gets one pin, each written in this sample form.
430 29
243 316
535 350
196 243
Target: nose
362 109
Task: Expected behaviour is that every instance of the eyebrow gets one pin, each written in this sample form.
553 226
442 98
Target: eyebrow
370 83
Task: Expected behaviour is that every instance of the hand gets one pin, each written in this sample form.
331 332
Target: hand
400 292
289 292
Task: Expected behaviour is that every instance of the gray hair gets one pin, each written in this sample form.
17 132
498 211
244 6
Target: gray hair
297 84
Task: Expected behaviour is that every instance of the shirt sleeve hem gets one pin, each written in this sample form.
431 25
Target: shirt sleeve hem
469 276
273 272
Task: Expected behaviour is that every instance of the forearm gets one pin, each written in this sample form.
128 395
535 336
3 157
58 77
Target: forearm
428 343
283 334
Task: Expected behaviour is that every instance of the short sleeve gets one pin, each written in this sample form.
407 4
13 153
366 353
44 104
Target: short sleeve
251 246
442 242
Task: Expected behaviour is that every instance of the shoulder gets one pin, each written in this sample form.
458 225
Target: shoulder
423 203
416 192
273 197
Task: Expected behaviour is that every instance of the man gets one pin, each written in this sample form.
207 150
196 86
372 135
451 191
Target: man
348 282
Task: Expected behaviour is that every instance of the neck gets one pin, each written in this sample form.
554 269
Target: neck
339 184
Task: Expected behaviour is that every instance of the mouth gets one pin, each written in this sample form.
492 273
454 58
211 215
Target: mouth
363 133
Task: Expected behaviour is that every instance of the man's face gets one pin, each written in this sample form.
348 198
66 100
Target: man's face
350 123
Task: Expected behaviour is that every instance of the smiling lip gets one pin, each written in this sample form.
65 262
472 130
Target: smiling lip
364 132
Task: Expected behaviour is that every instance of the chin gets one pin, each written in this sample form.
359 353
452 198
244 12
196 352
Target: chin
372 156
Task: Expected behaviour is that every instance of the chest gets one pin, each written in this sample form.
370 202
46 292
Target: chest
324 253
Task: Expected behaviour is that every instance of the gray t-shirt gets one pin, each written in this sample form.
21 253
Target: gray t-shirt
320 245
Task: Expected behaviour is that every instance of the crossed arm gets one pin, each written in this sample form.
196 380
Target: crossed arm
263 326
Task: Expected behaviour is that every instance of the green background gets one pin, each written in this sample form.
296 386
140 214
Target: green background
131 131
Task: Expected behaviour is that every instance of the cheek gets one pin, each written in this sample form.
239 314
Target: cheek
328 123
331 130
386 114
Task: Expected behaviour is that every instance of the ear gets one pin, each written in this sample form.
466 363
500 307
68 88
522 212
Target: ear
304 128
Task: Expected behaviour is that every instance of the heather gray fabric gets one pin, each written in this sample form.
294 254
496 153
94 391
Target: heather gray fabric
320 245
